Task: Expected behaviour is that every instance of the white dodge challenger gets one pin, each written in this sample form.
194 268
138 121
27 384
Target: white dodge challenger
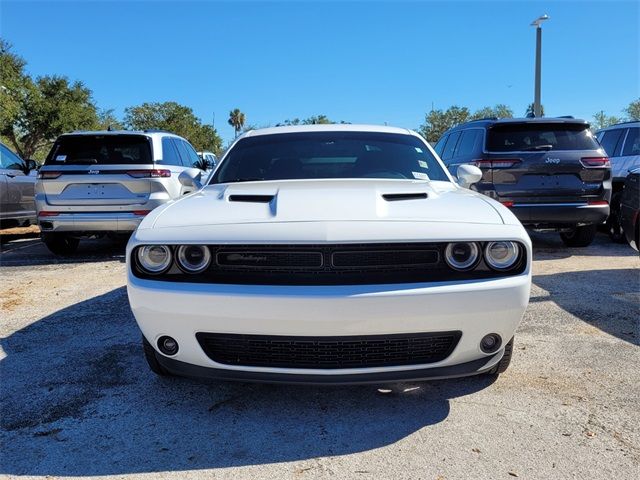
330 254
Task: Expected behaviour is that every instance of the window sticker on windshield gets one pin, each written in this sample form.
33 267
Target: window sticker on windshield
423 164
418 149
420 176
61 158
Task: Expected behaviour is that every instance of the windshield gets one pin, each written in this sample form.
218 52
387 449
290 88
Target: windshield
522 137
315 155
100 150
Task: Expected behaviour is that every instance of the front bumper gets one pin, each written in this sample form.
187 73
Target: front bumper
560 214
476 308
90 222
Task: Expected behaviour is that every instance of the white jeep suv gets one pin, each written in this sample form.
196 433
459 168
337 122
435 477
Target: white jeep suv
105 182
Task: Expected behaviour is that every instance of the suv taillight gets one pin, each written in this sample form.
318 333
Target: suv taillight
497 163
149 173
48 174
595 162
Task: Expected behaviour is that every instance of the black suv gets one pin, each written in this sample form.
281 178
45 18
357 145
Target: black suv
551 172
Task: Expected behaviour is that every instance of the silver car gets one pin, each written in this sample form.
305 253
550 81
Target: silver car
622 144
17 182
104 183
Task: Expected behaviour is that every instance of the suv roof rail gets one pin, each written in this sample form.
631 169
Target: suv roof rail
156 130
566 116
482 119
623 123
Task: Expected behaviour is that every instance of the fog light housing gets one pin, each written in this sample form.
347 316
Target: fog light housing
167 345
491 343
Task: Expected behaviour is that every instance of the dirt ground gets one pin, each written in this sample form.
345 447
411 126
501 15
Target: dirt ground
77 399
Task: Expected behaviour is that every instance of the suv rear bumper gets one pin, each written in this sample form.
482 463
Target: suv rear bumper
90 222
559 214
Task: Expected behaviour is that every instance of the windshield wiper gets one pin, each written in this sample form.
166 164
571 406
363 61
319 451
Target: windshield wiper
538 147
82 161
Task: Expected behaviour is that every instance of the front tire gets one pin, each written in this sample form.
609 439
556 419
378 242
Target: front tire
504 362
614 225
60 243
580 236
150 356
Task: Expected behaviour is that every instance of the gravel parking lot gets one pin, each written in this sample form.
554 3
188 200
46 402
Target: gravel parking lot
77 399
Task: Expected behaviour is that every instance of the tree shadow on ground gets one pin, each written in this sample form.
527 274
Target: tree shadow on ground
78 400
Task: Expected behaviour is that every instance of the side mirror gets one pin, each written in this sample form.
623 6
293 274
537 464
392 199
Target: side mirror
468 175
191 178
30 165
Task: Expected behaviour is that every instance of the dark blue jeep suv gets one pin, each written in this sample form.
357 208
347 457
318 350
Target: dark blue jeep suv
551 172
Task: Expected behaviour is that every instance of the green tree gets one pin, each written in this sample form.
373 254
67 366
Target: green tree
437 122
236 120
14 86
107 119
633 110
317 120
176 118
499 111
529 111
602 120
50 107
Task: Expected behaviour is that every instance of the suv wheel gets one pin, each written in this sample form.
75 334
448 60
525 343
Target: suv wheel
150 356
60 243
614 227
505 361
579 236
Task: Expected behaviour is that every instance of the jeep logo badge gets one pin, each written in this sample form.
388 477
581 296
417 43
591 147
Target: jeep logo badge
552 160
94 172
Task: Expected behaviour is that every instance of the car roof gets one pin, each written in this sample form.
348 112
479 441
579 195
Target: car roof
339 127
147 133
484 122
630 123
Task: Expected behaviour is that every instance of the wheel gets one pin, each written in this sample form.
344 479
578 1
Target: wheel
504 362
152 360
60 243
614 226
580 236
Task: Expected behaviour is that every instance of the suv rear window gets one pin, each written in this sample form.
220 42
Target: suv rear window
540 136
100 150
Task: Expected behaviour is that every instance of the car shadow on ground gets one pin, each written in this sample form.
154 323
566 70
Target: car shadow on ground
549 246
31 252
78 399
606 299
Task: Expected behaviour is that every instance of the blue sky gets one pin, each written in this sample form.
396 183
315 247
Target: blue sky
362 62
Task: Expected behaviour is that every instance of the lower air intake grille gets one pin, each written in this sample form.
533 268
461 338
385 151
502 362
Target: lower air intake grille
328 352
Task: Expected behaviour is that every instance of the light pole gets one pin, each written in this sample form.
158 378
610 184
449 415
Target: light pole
537 109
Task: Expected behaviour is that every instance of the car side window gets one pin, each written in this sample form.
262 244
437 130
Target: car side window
632 143
450 146
9 160
440 145
468 142
169 152
611 139
187 153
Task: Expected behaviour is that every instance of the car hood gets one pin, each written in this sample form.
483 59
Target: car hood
327 201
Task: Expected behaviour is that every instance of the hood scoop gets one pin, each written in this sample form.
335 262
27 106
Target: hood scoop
251 198
395 197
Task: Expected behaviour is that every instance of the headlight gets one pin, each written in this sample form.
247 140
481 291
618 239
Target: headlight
501 255
154 258
193 258
462 256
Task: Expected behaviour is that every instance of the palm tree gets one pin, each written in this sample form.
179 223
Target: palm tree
236 120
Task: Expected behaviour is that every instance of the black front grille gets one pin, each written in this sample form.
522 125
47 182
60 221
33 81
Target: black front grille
328 352
330 264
